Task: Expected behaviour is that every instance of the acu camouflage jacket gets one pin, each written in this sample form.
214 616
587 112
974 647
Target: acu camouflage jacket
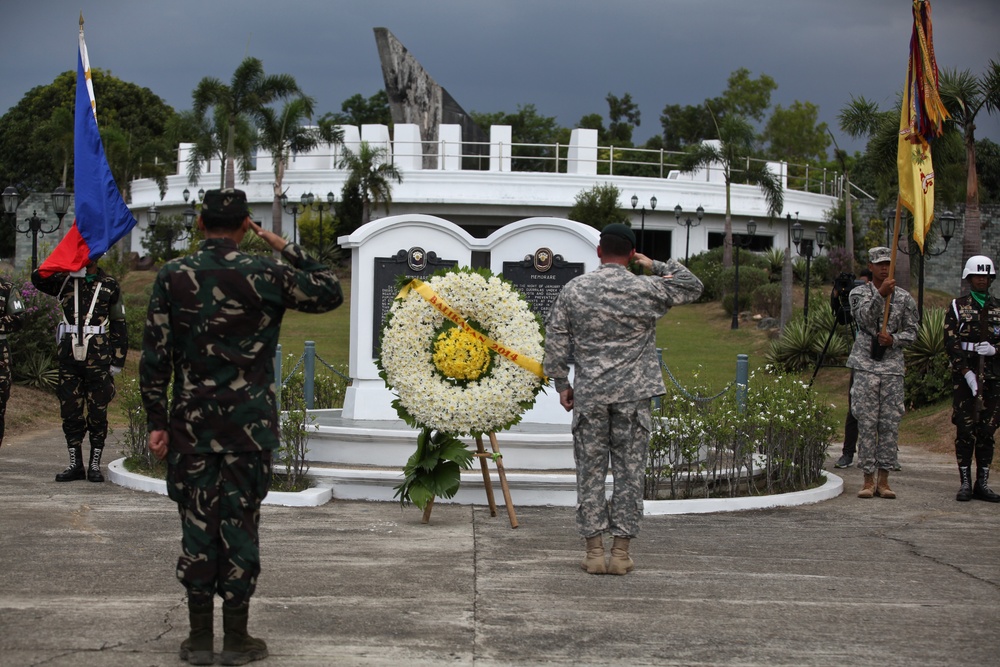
212 327
609 316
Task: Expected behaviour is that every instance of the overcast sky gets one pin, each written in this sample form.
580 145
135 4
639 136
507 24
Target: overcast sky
563 56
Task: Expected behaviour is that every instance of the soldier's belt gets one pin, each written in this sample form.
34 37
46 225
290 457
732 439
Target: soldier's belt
72 328
969 347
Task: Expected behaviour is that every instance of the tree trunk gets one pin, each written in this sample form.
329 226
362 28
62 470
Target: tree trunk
848 220
786 285
230 166
727 243
972 240
276 219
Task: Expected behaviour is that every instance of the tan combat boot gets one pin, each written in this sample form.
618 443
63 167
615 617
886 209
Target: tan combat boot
620 562
868 490
594 562
882 490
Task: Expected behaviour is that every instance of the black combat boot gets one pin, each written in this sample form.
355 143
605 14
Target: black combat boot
198 648
238 647
965 491
94 468
74 470
982 490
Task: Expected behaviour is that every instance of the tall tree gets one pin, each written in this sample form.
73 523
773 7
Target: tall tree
599 206
745 96
625 116
965 96
371 175
245 98
734 151
795 135
357 110
282 134
527 127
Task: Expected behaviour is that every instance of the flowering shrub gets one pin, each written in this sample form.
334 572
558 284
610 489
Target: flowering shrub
776 443
33 348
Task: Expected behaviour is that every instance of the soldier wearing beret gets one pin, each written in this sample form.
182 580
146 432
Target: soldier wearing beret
212 328
93 343
608 318
877 363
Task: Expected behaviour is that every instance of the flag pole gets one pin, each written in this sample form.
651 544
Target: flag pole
892 261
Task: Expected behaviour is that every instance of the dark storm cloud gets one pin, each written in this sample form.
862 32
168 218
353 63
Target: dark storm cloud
563 56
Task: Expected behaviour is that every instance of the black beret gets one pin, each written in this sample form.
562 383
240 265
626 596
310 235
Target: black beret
621 231
229 203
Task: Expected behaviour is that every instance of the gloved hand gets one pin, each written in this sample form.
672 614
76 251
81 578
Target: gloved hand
79 273
984 349
115 370
970 379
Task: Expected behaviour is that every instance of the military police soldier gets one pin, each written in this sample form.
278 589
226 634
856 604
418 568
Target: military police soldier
877 362
972 336
93 342
11 320
608 317
212 326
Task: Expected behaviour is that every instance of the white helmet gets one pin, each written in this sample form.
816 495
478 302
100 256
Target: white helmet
979 265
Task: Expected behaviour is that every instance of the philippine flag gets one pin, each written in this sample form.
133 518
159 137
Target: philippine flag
102 217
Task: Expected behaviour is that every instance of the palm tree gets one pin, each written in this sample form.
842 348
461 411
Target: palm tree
244 99
734 151
965 96
370 174
282 134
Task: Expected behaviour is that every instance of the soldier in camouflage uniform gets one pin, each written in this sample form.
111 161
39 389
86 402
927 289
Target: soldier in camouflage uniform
93 342
213 324
11 320
606 320
971 338
877 363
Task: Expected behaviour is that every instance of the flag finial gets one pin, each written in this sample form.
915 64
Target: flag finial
81 20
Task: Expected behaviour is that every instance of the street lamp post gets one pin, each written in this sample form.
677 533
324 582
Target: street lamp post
738 244
294 210
642 225
689 223
34 228
948 221
805 249
310 200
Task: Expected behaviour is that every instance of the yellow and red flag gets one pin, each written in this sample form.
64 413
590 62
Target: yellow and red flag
921 121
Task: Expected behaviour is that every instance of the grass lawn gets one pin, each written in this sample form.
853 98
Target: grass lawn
699 347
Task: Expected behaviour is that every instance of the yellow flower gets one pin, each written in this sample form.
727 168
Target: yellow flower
460 355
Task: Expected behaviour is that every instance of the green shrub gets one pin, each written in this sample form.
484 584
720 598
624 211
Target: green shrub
751 278
136 306
33 348
775 258
766 299
928 376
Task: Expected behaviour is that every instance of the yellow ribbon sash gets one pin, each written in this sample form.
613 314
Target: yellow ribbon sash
439 304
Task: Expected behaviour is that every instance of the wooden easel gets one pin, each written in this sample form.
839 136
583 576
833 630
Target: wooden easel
497 459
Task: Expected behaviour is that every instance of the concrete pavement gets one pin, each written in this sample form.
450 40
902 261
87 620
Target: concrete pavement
87 578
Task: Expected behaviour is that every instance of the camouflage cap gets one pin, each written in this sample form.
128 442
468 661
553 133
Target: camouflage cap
621 231
225 203
879 255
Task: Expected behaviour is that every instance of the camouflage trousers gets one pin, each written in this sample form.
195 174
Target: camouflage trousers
877 404
4 385
617 434
218 497
80 386
974 435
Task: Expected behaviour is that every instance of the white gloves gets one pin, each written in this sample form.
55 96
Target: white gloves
79 273
970 379
984 349
115 370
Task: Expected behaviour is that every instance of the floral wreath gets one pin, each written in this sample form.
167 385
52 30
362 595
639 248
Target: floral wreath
460 352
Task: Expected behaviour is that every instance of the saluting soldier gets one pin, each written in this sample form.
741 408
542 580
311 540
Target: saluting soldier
11 320
878 368
212 325
608 317
972 335
93 343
